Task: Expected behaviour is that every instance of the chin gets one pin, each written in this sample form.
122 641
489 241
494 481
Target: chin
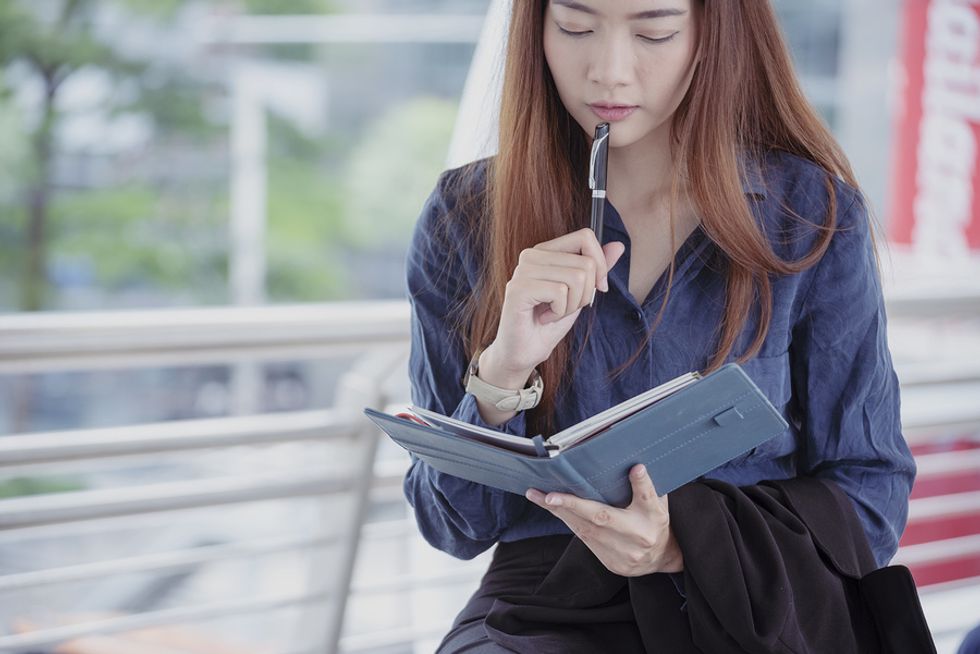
622 135
627 135
622 138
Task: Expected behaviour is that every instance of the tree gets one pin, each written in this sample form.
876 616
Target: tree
161 229
393 169
48 44
48 50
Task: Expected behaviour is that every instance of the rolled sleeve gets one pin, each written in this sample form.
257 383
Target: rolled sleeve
459 517
847 388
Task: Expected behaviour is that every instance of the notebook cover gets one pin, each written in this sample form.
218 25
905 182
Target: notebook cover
678 438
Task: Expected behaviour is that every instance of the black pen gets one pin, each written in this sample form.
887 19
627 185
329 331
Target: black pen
598 164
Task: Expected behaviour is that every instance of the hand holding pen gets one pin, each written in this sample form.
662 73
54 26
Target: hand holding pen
552 283
598 166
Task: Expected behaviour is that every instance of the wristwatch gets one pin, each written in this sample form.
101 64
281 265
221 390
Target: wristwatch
502 398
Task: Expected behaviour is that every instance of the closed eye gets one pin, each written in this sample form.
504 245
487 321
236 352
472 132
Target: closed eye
650 39
647 39
571 33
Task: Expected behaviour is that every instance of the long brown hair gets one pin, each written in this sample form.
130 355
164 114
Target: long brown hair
744 99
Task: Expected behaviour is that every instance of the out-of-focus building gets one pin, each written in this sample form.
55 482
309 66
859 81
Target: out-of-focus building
935 190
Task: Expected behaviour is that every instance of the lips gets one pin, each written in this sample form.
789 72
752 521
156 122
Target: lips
612 112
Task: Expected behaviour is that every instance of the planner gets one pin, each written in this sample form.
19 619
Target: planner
680 430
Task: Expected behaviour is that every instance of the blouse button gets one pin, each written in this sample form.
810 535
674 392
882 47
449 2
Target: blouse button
636 315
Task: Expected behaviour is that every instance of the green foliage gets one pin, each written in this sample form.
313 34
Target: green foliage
305 231
157 9
392 171
290 51
14 25
11 243
57 49
13 153
130 237
160 230
286 7
305 235
174 102
167 8
21 486
285 141
126 233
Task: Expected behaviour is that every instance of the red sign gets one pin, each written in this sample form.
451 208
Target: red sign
936 179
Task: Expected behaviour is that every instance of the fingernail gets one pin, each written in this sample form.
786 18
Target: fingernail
604 285
533 495
592 301
639 471
554 500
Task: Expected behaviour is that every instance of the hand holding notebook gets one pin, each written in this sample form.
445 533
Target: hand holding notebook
679 430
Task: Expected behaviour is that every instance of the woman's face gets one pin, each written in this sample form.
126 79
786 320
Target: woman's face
625 62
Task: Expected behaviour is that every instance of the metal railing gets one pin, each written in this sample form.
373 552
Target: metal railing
59 342
139 339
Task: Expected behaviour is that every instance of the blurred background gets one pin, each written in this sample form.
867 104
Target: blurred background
204 211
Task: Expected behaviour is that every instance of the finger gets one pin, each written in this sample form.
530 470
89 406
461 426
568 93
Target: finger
595 536
562 324
534 495
596 513
566 259
644 492
613 252
585 530
553 258
582 241
579 281
529 293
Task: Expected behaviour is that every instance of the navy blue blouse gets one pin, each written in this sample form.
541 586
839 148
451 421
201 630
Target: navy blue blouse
825 362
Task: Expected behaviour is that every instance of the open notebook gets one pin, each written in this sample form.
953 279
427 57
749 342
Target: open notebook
679 430
566 438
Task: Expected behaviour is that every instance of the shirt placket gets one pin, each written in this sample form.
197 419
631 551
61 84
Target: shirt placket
639 317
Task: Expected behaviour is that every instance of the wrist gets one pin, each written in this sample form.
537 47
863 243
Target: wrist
493 372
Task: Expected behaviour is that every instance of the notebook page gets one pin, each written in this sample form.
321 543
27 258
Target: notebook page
568 437
475 432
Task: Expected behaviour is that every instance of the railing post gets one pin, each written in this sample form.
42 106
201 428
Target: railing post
362 386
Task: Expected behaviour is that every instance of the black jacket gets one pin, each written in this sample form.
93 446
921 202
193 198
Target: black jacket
780 567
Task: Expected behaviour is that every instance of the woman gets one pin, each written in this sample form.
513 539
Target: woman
734 231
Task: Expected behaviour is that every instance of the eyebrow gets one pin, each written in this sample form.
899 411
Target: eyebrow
642 15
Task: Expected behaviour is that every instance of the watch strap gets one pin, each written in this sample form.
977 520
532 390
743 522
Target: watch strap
503 399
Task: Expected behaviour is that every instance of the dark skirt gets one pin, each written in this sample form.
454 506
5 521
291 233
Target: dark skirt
516 569
535 597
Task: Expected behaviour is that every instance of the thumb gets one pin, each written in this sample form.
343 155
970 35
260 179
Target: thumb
613 252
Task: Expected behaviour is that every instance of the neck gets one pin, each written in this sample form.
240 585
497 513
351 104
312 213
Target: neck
640 173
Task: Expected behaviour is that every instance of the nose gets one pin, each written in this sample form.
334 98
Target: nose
611 63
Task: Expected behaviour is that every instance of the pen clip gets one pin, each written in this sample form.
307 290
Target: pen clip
596 144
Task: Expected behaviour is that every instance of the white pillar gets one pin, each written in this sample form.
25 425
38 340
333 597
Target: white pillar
247 264
246 256
868 60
